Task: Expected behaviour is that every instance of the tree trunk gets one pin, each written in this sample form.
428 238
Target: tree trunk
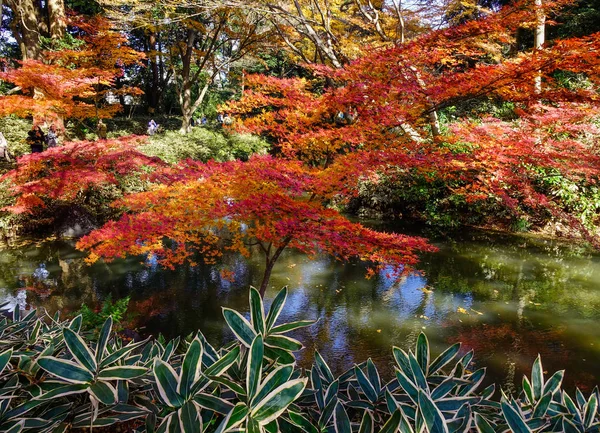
266 276
186 107
57 19
27 25
270 263
153 87
540 39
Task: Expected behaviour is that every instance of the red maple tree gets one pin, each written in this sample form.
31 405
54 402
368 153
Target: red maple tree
72 83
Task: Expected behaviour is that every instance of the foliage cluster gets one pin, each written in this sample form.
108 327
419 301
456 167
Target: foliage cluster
54 377
92 320
269 202
203 144
463 121
91 175
74 81
86 175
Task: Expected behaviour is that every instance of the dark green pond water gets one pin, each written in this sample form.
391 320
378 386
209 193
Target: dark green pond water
509 298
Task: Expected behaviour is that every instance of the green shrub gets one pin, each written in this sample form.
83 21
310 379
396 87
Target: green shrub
93 320
203 144
53 377
15 130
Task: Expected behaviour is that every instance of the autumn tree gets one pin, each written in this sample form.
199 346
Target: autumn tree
386 108
267 203
84 175
72 83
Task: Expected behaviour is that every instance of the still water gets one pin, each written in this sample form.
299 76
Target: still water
507 297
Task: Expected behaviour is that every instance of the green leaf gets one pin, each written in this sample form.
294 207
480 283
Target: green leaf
405 426
254 369
280 356
304 424
240 327
276 378
65 370
392 424
323 368
122 372
233 419
591 407
483 426
432 416
287 327
190 368
103 338
104 392
418 374
257 311
122 352
422 352
553 384
80 351
373 376
276 308
166 382
64 391
445 357
213 403
17 428
528 390
341 421
537 378
75 324
569 426
224 363
514 418
190 418
5 359
283 342
252 426
229 384
542 406
408 386
365 385
367 425
276 402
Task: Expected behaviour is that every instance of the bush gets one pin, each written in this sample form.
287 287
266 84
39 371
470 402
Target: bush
15 130
203 144
54 376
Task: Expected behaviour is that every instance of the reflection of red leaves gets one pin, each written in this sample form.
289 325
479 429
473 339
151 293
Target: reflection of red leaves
41 290
227 275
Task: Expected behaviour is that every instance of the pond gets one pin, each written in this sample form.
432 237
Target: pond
507 297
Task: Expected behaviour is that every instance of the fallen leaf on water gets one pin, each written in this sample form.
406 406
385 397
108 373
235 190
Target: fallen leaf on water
379 330
426 290
293 265
461 310
475 311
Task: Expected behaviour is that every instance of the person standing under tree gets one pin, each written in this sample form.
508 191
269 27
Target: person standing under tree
152 127
101 129
52 137
4 148
36 139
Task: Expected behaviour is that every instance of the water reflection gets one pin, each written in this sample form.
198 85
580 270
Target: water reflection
508 298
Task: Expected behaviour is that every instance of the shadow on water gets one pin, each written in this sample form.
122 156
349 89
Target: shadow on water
508 298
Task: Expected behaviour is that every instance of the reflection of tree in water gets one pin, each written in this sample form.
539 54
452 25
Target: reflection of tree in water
538 290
